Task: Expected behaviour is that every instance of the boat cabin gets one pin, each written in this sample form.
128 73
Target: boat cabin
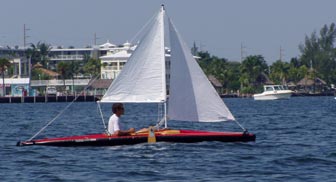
275 87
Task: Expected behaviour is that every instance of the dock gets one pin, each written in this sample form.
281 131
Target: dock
41 99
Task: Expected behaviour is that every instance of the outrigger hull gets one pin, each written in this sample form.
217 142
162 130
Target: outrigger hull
167 135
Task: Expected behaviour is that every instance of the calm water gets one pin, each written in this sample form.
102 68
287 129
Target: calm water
295 142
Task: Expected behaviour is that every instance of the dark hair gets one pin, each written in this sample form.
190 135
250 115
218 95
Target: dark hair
116 106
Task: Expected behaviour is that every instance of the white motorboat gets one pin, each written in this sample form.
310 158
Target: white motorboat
274 92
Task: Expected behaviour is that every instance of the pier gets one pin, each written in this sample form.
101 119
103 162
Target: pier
41 99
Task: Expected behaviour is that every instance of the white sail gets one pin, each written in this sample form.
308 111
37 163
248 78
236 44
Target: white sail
191 95
142 80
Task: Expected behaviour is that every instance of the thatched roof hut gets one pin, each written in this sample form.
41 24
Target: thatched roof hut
101 84
310 82
316 85
216 83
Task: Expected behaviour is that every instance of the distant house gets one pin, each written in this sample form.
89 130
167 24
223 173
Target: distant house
216 83
309 85
52 74
99 87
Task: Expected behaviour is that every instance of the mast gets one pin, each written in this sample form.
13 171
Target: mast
164 65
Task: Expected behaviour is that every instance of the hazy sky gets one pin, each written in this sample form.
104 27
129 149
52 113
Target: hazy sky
217 26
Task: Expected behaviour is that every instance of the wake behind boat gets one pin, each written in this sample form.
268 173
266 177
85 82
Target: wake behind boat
146 78
273 92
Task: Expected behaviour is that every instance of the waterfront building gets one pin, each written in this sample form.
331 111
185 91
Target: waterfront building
14 87
114 60
59 54
17 56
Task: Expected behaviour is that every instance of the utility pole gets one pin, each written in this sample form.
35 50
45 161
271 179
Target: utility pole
242 52
281 53
25 36
95 38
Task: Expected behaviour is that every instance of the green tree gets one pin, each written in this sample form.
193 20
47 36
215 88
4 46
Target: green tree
280 72
253 69
44 50
204 62
39 53
232 76
75 69
4 64
226 72
63 69
33 54
294 73
318 52
92 67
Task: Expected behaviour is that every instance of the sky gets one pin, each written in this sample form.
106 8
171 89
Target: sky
224 28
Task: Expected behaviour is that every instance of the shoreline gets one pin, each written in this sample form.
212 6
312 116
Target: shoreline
94 98
45 99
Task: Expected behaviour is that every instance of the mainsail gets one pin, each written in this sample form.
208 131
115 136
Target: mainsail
143 78
192 97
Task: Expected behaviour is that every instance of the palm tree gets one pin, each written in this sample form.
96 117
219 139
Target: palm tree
252 69
33 54
4 64
44 49
63 70
93 67
75 69
280 72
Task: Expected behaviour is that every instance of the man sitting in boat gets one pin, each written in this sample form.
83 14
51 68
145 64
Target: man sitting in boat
113 125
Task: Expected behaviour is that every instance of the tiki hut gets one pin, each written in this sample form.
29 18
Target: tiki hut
216 83
100 86
310 85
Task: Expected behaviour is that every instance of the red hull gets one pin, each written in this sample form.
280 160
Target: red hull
178 136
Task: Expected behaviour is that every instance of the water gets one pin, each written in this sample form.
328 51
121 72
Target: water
295 142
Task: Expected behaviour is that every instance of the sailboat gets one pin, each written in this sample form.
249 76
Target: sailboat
145 78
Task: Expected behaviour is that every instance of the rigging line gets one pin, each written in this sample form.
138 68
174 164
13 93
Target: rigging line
60 113
142 29
159 114
160 123
244 129
101 114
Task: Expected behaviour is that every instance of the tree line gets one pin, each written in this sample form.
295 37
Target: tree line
40 54
317 59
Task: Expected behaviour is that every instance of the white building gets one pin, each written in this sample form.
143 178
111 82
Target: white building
58 54
114 60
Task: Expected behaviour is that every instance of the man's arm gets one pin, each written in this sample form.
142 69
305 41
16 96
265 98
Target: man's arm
125 132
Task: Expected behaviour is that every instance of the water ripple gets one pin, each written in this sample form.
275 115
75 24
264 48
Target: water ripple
294 143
